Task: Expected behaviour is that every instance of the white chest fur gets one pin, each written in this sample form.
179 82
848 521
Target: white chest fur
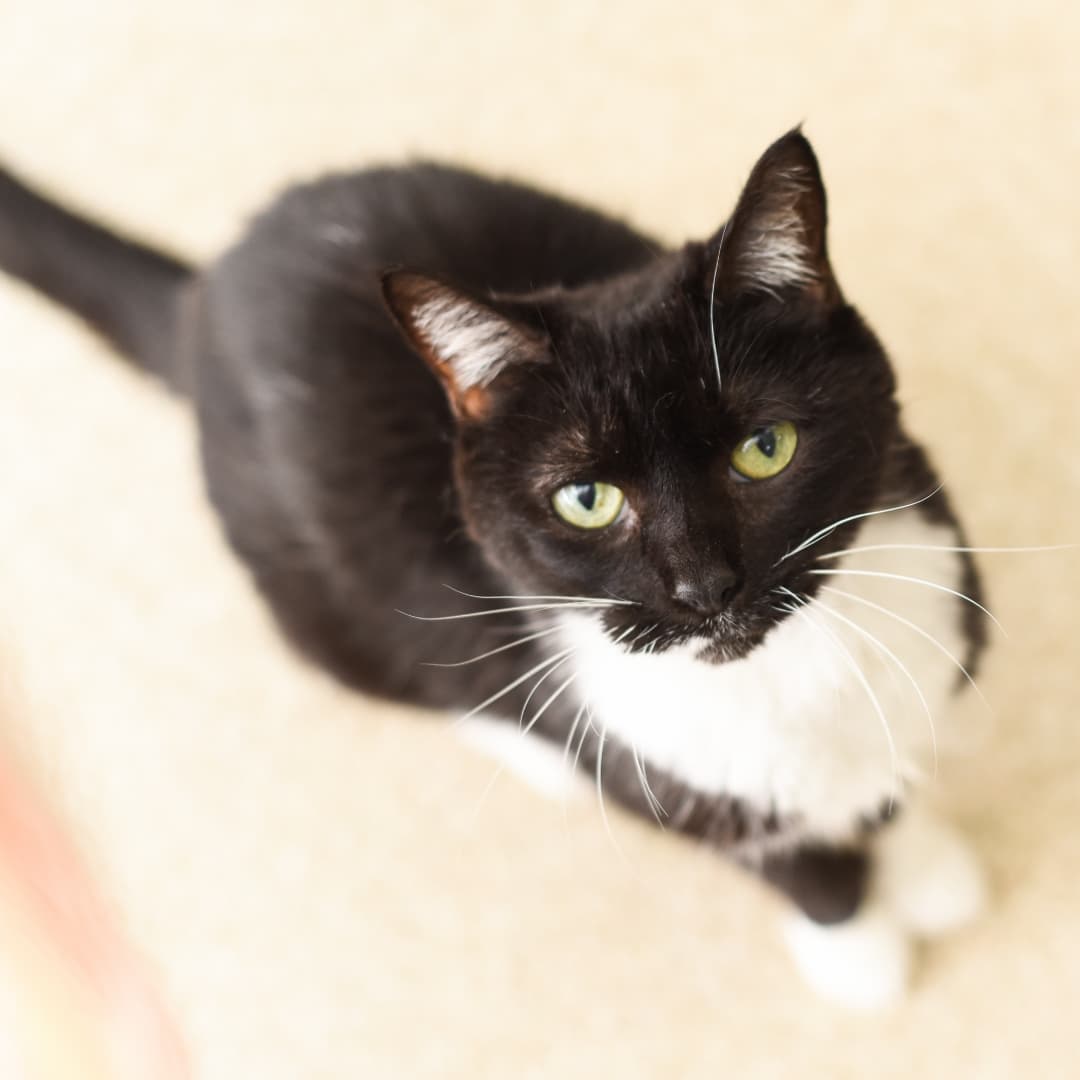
823 719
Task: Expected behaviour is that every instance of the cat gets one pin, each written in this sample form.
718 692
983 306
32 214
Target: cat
485 450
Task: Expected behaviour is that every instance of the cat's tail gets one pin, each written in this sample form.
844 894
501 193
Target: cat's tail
127 292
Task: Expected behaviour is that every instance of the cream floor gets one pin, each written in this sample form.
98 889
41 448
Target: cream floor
310 871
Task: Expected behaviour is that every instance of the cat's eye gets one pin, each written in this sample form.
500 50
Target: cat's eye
588 506
765 452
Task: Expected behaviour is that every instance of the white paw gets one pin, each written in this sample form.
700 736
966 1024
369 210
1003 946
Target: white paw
863 963
928 875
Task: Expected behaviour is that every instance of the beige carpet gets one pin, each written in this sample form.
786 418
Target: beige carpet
311 872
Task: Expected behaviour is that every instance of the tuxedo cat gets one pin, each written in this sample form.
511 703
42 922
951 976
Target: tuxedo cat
486 450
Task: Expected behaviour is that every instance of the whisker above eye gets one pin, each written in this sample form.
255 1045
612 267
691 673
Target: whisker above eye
917 581
712 309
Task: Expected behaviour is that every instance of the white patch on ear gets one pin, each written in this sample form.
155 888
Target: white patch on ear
774 250
471 341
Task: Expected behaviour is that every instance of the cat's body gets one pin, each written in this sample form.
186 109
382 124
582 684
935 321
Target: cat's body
377 479
683 651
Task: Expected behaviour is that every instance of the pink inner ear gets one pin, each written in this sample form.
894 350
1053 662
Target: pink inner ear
71 950
475 403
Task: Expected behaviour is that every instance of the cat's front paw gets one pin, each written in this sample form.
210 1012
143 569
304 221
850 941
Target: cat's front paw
928 876
863 963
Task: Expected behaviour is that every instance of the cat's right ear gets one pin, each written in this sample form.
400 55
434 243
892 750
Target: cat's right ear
465 341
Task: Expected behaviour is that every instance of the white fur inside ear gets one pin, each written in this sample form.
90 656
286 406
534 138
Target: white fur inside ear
862 964
470 340
775 251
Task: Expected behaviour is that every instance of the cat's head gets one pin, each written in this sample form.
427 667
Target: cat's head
667 437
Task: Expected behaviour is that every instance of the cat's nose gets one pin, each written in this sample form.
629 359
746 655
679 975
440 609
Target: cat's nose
707 593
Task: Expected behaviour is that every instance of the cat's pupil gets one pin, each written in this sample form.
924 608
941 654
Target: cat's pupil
766 440
586 495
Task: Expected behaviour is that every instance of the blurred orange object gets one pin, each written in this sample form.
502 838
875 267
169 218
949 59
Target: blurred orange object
75 999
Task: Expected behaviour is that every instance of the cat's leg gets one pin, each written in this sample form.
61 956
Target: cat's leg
847 945
860 907
827 884
927 874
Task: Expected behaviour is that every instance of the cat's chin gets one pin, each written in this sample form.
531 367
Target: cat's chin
729 642
725 650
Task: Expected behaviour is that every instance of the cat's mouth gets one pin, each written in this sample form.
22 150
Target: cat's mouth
717 639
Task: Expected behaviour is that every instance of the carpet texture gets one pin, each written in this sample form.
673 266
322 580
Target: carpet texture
313 875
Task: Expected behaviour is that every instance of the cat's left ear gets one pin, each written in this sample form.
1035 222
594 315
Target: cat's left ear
774 243
467 342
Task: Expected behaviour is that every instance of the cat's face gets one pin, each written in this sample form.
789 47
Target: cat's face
666 439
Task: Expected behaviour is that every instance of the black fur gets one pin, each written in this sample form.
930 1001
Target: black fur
125 291
355 487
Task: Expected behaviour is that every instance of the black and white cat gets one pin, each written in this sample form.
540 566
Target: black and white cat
483 449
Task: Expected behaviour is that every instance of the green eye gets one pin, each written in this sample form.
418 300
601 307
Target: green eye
588 506
766 452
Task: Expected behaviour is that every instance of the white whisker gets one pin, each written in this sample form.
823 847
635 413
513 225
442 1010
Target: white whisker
616 641
879 644
501 648
507 610
600 786
916 628
945 547
653 801
589 726
857 671
551 670
514 684
547 704
822 533
712 309
573 732
917 581
573 599
502 765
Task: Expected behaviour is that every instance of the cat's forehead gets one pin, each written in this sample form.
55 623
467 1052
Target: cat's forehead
682 366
